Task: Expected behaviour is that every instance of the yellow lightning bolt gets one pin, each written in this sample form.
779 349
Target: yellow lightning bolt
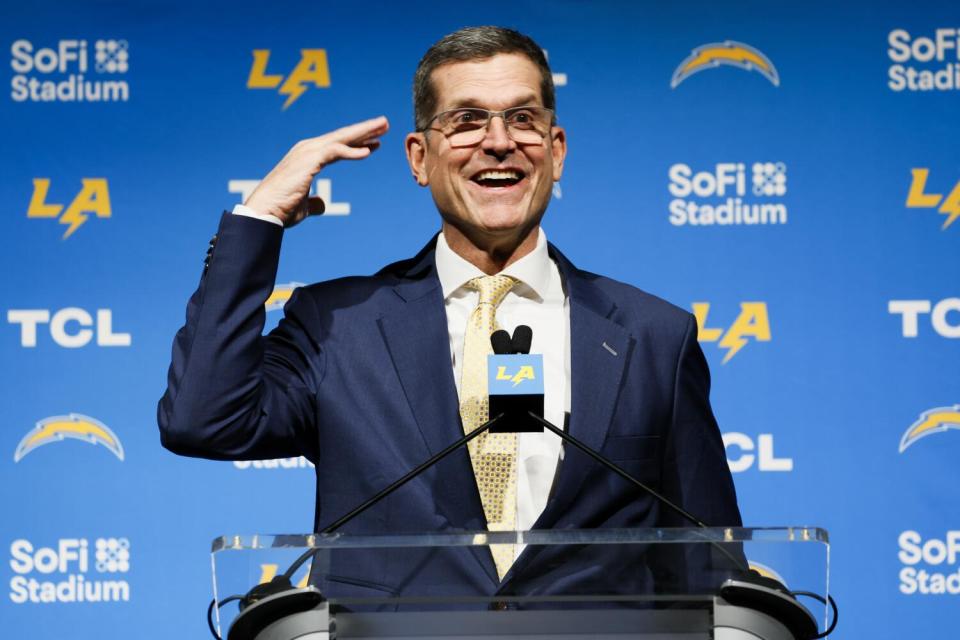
729 53
74 218
951 207
64 427
73 426
293 89
753 322
312 69
733 342
953 216
733 54
939 419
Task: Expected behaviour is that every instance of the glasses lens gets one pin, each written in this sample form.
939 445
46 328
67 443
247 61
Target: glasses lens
528 125
464 126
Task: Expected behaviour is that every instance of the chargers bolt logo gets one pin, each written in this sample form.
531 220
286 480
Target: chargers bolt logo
931 421
727 53
74 426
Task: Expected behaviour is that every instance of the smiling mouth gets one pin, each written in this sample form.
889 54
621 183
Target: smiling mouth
494 178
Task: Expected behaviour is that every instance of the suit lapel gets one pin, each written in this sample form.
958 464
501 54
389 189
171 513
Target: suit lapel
415 332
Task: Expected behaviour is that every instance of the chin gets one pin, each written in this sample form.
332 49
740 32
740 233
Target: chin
503 224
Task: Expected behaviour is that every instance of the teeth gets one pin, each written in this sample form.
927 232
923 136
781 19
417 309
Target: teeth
499 175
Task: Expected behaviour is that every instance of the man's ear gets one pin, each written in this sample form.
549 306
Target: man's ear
416 148
558 144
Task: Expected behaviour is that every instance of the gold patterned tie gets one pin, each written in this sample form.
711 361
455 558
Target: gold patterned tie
494 455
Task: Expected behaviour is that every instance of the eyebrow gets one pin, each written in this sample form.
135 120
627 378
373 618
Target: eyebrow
529 99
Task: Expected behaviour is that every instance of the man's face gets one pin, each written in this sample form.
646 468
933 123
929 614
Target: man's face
496 190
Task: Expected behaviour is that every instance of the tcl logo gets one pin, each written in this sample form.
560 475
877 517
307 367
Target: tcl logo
70 328
943 322
743 453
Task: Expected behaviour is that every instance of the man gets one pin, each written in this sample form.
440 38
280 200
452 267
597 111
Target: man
369 376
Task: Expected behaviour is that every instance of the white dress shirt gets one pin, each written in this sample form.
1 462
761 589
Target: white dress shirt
539 301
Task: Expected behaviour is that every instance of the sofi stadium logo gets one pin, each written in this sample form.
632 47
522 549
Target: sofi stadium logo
93 199
752 324
725 194
929 566
311 70
928 62
728 54
322 188
72 570
919 198
269 465
930 422
62 72
73 426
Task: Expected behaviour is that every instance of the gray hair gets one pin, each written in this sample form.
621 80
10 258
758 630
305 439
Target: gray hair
474 43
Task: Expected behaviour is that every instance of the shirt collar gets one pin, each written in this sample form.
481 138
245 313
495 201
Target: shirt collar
533 269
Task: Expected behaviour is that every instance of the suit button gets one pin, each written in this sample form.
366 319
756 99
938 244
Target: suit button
499 605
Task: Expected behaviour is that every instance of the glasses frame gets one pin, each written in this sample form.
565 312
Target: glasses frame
490 116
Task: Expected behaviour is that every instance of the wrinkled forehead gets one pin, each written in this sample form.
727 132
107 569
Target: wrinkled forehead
502 81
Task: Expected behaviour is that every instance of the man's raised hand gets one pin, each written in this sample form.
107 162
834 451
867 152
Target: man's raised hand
284 192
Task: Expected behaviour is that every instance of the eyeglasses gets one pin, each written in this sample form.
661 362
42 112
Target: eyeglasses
468 126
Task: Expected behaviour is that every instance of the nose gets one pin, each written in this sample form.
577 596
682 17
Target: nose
497 140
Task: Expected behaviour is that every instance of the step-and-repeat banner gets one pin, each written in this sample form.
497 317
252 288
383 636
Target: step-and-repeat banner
788 172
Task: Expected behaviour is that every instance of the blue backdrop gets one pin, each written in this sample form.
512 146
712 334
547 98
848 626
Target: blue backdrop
789 172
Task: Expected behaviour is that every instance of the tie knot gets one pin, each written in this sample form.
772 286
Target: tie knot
492 289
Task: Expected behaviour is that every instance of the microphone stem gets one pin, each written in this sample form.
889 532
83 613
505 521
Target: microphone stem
566 437
383 493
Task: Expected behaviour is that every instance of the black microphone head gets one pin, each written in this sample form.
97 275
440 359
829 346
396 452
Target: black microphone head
522 339
500 340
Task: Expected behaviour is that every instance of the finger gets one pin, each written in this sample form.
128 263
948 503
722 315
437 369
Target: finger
345 152
315 206
353 133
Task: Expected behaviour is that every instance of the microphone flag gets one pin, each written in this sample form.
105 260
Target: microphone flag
515 387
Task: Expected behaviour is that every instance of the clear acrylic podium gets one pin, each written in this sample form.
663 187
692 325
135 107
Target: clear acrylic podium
654 584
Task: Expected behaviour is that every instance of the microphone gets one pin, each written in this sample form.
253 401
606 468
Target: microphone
522 339
515 382
500 340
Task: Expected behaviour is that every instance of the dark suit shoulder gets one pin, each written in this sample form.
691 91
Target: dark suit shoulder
350 291
640 310
380 289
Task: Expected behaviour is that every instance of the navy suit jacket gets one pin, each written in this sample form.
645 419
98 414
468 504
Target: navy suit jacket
357 378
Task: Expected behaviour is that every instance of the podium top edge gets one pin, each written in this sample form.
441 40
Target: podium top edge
684 535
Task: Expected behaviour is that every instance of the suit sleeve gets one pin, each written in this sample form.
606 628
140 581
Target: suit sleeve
696 471
233 394
696 476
